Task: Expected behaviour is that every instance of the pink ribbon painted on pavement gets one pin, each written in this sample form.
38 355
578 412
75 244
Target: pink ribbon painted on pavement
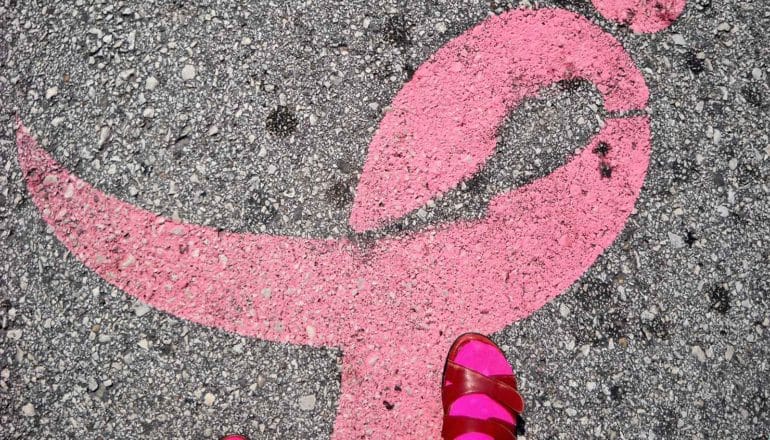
394 308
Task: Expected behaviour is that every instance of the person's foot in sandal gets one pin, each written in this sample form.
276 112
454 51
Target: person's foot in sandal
479 392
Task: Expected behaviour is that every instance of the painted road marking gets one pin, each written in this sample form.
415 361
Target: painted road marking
395 308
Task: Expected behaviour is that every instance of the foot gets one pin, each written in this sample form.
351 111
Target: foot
479 392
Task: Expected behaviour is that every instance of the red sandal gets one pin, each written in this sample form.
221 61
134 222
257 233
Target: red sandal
479 392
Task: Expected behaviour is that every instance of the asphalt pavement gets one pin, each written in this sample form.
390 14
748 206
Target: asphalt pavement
255 117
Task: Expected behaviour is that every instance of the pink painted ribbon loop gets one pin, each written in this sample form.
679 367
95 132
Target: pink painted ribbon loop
442 125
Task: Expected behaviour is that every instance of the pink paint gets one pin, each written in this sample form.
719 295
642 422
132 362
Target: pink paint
393 308
442 124
643 16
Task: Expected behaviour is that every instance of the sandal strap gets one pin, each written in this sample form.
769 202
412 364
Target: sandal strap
464 381
455 426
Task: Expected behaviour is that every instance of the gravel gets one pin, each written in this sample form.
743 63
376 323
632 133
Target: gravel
188 72
666 336
151 83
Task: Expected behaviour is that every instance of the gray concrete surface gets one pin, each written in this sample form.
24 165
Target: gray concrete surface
665 337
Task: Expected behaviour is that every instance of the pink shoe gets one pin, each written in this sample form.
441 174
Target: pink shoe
234 437
479 392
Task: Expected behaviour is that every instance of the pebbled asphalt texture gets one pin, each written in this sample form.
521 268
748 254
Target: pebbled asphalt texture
256 116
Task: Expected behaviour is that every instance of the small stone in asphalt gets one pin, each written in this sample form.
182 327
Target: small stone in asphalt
188 72
92 384
104 134
698 353
150 83
126 74
141 309
50 93
307 403
729 352
723 210
28 410
676 241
